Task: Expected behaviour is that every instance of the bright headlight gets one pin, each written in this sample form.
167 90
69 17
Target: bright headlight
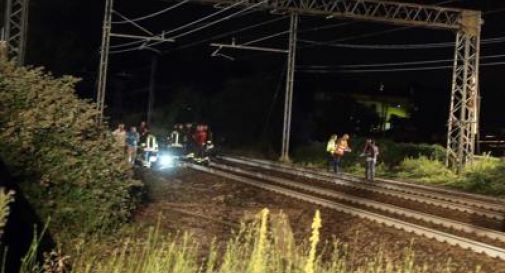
166 160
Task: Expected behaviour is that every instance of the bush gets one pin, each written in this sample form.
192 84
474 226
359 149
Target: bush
394 153
485 175
425 170
69 167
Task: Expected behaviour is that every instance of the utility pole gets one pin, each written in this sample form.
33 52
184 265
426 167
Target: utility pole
14 29
290 75
104 60
152 87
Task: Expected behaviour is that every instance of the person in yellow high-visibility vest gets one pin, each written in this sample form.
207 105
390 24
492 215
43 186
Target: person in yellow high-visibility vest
331 148
342 148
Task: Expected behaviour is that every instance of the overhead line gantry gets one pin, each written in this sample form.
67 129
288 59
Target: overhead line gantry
463 114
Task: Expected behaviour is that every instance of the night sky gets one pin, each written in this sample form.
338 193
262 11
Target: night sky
64 36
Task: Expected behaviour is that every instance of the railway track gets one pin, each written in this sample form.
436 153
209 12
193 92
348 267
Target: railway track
319 197
489 207
387 208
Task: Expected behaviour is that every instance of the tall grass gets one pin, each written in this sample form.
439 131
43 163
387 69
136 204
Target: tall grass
485 175
5 199
252 249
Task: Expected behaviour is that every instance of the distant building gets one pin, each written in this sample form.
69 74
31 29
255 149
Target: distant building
389 108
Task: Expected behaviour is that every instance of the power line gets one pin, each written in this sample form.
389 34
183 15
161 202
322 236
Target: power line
400 46
133 23
393 64
203 18
266 37
163 33
126 50
151 15
126 44
489 12
231 33
220 20
390 69
301 31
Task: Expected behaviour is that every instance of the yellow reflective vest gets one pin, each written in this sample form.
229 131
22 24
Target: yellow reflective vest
151 144
331 147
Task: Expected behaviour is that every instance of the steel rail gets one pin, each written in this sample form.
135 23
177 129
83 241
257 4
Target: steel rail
440 236
377 188
486 202
428 218
479 200
453 196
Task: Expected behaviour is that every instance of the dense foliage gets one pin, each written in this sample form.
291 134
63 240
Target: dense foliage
67 166
486 175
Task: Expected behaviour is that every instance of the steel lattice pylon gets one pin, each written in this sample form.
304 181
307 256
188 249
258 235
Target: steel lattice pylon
463 114
104 60
15 28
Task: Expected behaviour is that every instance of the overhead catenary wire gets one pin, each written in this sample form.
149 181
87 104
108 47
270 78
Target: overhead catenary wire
133 23
223 35
321 71
151 15
301 31
401 46
393 64
136 48
165 32
266 37
220 20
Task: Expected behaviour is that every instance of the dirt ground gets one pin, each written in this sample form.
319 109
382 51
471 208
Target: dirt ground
210 207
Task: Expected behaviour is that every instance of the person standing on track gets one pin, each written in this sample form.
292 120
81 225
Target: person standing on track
331 148
370 152
341 149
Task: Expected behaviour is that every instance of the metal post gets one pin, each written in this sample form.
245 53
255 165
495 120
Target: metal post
463 116
15 28
104 61
152 85
288 100
7 16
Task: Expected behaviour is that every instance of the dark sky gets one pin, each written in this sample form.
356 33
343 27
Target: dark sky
64 36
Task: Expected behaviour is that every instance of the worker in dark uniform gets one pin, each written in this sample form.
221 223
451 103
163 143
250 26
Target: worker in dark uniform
143 132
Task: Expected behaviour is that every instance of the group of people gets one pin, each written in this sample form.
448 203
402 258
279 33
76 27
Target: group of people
338 147
130 140
193 139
